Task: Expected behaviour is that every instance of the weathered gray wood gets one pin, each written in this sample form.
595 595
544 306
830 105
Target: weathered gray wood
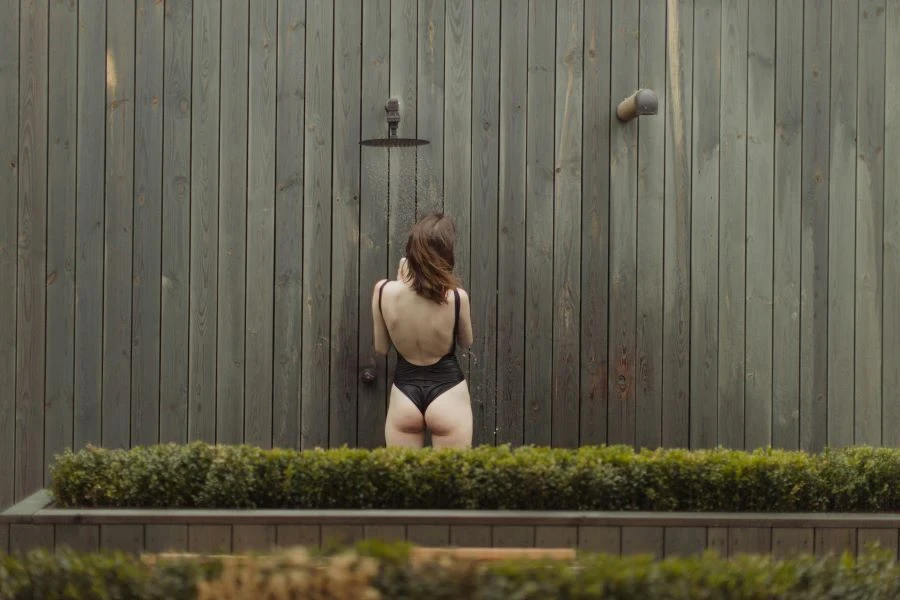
146 277
760 228
209 539
704 275
647 369
345 309
891 264
373 230
80 538
261 146
4 538
124 538
717 540
870 200
430 76
567 223
457 135
732 224
884 539
118 225
792 541
835 541
298 535
786 286
607 540
841 223
684 541
814 232
549 536
513 536
471 536
484 219
232 270
31 275
511 271
166 538
643 540
9 153
317 182
23 538
749 540
253 538
429 535
677 236
61 129
538 386
341 535
177 122
289 181
385 533
204 227
24 510
623 193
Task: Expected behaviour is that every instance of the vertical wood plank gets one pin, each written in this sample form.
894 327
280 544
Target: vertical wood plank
248 538
31 275
869 224
471 536
835 541
677 235
567 223
430 75
9 160
555 537
841 223
885 539
317 225
643 540
4 538
373 227
705 226
891 264
717 540
484 217
511 222
177 123
232 267
122 538
651 168
261 145
166 538
605 540
749 540
623 193
341 535
814 231
80 538
684 541
209 539
436 536
385 533
148 152
792 541
289 178
513 536
457 135
24 538
204 240
298 535
61 129
538 386
760 227
118 225
345 225
786 287
732 224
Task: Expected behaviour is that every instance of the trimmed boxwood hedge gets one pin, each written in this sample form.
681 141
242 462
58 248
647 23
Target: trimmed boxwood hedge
374 571
200 475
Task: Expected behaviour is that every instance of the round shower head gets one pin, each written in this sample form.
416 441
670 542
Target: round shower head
393 142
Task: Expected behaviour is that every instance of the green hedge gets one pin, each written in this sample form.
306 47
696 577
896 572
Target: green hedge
374 571
858 479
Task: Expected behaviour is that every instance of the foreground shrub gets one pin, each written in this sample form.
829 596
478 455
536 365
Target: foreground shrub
375 571
199 475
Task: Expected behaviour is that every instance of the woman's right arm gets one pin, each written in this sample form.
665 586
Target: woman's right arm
381 337
464 336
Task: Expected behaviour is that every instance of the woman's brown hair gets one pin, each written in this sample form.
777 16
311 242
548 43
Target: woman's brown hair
429 257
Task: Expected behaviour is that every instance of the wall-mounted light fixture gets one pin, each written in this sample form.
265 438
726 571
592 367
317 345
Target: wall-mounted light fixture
642 102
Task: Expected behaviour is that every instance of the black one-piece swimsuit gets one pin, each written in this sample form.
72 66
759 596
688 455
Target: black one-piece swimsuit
424 383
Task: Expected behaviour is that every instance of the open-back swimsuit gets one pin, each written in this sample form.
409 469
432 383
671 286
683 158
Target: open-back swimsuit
424 383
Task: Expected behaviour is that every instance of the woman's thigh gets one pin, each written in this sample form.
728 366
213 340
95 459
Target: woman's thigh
449 418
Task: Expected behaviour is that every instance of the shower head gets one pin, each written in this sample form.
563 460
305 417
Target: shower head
392 108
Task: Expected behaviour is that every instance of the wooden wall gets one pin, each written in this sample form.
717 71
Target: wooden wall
190 231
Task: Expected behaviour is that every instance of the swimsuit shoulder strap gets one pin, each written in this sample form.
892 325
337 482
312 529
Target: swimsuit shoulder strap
455 316
381 289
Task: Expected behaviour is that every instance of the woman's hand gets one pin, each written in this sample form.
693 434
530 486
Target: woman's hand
402 269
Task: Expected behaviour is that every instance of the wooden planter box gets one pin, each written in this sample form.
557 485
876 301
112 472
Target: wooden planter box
34 522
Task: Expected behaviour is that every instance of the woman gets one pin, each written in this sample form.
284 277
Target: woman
425 314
